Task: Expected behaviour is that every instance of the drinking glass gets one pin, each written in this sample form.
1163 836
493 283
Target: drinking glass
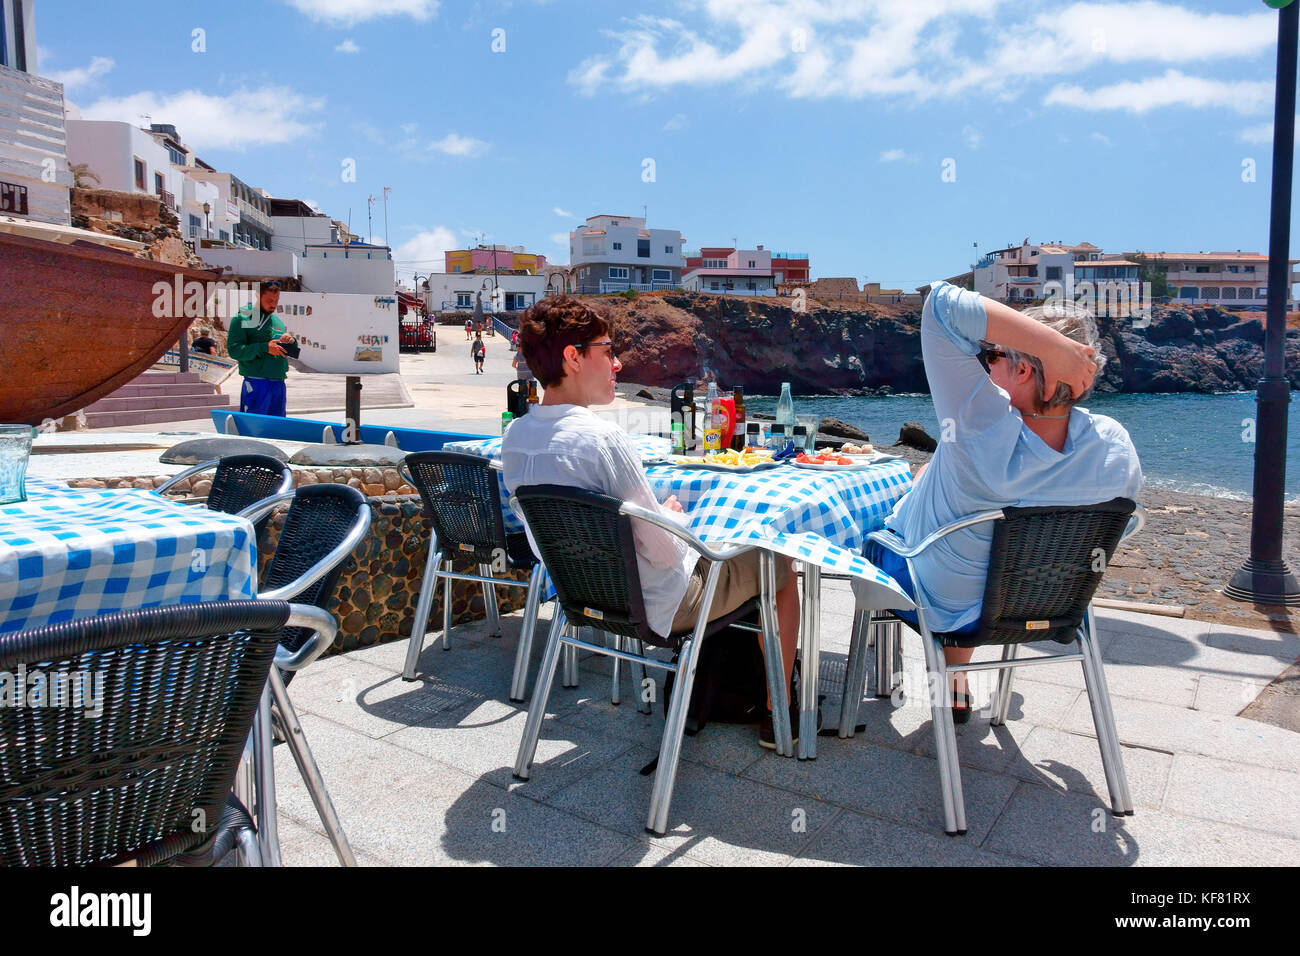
15 448
812 423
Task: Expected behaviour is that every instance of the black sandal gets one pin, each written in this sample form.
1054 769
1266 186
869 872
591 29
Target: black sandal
962 707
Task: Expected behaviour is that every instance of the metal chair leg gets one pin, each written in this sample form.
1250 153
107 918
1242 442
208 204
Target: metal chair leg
888 642
670 746
420 626
1112 759
855 673
268 830
945 738
1002 697
311 774
250 854
524 652
541 693
569 672
810 638
644 701
1108 712
778 682
614 697
490 601
446 610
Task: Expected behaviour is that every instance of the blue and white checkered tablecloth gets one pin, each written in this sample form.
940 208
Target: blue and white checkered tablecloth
66 556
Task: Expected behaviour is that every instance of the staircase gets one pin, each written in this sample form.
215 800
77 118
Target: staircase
156 397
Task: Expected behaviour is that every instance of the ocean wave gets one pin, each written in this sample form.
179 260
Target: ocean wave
1205 489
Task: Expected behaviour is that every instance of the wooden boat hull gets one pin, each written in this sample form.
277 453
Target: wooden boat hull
78 321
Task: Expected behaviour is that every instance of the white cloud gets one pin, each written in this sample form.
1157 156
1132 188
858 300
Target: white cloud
1101 138
347 46
677 122
971 136
82 75
562 213
408 128
920 50
423 252
1262 134
244 118
349 12
1172 89
453 144
896 155
560 239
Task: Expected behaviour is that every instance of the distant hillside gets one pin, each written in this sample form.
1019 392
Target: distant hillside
760 343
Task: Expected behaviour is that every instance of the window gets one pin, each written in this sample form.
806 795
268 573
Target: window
518 301
1210 292
225 236
1233 269
643 248
750 285
613 222
618 272
464 300
1202 268
159 184
713 285
661 275
195 225
1245 293
618 245
1247 268
1033 272
668 249
139 174
1261 293
1229 292
1054 272
455 268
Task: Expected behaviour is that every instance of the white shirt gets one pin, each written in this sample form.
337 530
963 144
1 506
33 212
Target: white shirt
571 445
988 457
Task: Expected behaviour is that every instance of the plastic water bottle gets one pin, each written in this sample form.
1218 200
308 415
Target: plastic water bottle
785 409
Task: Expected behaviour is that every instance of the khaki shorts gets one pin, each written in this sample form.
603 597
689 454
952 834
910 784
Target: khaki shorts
738 581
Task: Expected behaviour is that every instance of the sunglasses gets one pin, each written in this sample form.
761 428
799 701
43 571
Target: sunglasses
599 345
989 356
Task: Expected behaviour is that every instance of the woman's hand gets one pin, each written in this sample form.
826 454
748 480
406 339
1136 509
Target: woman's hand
672 504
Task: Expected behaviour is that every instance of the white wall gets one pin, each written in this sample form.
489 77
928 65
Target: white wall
251 262
289 232
218 218
33 106
337 274
443 287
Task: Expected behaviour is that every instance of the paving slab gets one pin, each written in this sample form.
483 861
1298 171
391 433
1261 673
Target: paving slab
853 839
1235 793
1072 762
718 818
1059 829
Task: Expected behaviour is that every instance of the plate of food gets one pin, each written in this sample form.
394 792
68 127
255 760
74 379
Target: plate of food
833 461
732 461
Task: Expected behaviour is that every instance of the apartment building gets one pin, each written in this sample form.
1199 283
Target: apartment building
728 270
494 258
1229 279
615 253
34 174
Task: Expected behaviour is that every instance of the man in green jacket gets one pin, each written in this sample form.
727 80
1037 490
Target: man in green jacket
259 342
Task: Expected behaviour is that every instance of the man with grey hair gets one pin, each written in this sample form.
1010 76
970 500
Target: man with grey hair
1006 387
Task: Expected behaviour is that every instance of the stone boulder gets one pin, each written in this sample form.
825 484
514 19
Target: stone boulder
913 435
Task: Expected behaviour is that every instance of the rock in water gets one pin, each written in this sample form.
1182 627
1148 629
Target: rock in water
842 429
914 436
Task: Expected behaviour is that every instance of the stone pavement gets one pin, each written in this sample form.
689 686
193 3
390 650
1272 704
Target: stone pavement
421 772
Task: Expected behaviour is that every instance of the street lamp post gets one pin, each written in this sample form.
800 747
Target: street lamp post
1265 578
207 229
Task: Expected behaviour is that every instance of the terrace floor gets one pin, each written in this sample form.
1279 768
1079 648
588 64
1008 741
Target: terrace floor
420 773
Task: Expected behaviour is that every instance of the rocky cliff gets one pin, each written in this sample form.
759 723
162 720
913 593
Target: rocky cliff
760 343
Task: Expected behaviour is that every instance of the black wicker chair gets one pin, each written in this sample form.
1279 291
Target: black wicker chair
587 545
462 498
324 525
239 481
1045 565
134 761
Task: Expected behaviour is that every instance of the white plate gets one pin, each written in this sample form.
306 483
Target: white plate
862 464
728 469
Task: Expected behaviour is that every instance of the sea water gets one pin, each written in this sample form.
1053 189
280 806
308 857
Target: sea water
1201 444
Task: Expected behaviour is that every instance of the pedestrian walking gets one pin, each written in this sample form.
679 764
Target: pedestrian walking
478 351
469 329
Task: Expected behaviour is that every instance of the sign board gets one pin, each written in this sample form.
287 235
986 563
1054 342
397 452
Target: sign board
13 198
342 333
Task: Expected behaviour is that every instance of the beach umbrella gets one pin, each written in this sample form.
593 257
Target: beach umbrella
1265 578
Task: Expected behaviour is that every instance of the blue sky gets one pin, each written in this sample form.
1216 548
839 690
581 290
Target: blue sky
819 126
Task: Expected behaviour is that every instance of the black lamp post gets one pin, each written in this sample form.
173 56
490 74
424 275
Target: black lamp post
1265 578
207 230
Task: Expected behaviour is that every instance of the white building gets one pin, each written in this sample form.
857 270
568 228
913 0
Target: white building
357 267
295 226
1018 273
614 253
126 158
34 174
741 272
452 292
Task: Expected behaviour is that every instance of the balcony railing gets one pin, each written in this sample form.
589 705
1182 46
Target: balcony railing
616 286
168 200
250 213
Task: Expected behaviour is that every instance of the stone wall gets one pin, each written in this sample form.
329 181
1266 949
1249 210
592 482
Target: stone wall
371 482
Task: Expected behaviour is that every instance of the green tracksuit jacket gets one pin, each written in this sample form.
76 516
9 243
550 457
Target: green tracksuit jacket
250 331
